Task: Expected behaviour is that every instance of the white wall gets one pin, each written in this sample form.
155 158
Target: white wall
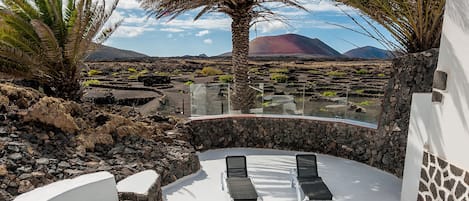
99 186
453 113
423 123
444 127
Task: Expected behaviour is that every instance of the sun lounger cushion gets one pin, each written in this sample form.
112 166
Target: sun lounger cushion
315 188
241 189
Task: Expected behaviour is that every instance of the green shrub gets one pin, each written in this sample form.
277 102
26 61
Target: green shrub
115 74
266 104
87 83
143 72
359 91
323 110
226 78
381 75
211 71
362 71
93 72
177 72
336 73
254 70
279 70
132 70
189 83
133 77
329 94
315 72
163 74
365 103
279 77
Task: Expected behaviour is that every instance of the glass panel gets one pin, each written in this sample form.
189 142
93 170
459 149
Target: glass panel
209 99
334 98
284 98
326 99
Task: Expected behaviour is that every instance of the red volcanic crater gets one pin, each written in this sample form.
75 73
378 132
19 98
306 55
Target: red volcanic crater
290 44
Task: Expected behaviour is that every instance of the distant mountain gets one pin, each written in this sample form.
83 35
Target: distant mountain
369 52
106 53
290 45
200 55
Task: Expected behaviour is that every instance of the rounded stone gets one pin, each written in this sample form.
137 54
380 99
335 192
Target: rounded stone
15 156
42 161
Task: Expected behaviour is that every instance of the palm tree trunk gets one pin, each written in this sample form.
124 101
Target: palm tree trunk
66 88
242 96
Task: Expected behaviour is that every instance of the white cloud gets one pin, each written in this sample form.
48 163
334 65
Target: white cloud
129 4
209 24
325 6
270 26
202 33
131 31
173 30
208 41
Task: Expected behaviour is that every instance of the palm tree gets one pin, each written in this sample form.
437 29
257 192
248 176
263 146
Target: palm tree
244 14
46 42
415 24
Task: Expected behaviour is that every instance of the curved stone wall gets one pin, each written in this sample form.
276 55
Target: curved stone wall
346 139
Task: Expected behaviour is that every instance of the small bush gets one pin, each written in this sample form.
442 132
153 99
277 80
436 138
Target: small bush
323 110
143 72
163 74
365 103
329 94
336 73
132 70
279 77
87 83
362 71
133 77
189 83
315 72
360 91
115 74
226 78
254 70
177 72
381 75
92 73
266 104
211 71
279 70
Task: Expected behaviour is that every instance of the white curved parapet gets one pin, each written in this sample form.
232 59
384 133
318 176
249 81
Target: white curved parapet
100 186
140 183
324 119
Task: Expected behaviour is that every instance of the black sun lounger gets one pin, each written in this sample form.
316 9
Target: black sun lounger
239 185
312 186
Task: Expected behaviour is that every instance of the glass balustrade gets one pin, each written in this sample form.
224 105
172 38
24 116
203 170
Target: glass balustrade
330 100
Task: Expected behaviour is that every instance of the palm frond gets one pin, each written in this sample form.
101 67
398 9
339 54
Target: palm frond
416 24
44 40
49 42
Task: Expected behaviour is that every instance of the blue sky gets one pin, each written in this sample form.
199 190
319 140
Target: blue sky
211 34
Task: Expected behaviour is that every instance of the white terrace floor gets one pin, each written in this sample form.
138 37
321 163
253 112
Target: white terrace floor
269 170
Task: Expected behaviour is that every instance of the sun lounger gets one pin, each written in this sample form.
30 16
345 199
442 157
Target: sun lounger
235 180
309 186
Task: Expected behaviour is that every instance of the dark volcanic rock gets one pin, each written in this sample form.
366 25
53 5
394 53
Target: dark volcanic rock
412 73
42 150
151 80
